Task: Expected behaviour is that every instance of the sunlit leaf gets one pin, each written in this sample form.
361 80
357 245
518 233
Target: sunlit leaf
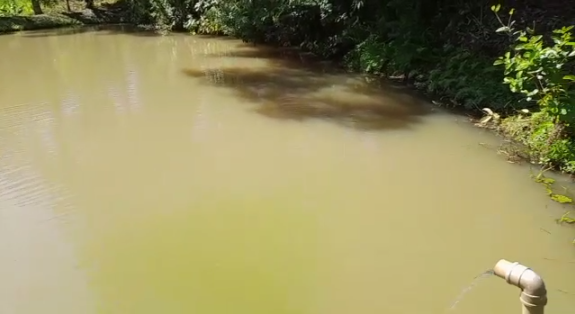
562 199
566 219
496 8
488 111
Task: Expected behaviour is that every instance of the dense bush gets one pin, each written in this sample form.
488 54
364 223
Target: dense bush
541 72
15 7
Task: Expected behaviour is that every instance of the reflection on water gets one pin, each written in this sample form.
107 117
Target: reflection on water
132 82
70 104
186 174
283 90
35 258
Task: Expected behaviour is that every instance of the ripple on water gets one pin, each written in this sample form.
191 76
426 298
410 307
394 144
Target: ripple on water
37 256
21 185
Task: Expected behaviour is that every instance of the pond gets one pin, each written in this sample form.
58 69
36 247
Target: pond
188 174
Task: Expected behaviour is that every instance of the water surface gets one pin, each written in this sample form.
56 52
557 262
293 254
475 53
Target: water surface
180 174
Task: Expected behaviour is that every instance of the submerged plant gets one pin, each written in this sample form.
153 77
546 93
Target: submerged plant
566 219
548 184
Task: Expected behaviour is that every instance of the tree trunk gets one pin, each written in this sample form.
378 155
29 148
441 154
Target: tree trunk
37 7
90 4
68 6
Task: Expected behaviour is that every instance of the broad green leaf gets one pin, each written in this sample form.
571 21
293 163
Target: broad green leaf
569 77
536 71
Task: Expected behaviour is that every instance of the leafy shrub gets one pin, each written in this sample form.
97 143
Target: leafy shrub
470 80
15 7
371 56
540 73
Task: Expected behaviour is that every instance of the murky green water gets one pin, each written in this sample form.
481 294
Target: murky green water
178 174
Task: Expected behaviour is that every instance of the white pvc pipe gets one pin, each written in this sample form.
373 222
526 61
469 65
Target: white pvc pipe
533 292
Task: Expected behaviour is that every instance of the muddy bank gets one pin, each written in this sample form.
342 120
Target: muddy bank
44 21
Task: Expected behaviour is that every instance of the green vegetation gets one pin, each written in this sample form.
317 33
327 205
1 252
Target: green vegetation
18 15
15 7
541 73
550 185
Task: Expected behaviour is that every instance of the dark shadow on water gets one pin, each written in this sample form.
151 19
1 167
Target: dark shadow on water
292 85
295 86
107 29
216 37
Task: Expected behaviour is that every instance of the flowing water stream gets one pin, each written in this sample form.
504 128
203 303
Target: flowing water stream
179 174
473 284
